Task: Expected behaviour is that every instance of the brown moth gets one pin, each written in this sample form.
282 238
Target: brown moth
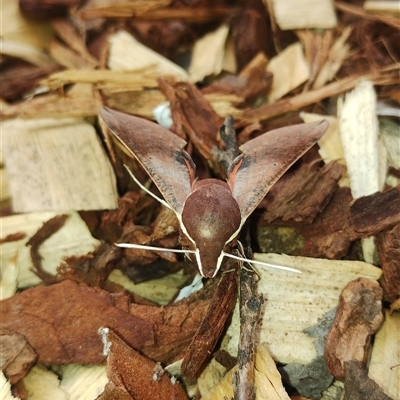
211 212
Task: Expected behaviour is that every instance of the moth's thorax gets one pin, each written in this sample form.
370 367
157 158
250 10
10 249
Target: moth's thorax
211 218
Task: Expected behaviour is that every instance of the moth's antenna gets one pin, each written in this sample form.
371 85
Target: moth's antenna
163 202
265 264
145 247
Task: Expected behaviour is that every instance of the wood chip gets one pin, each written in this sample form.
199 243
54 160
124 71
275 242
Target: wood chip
57 165
73 239
384 367
358 125
127 54
289 70
208 54
268 381
42 383
330 146
82 381
293 14
389 6
315 291
5 388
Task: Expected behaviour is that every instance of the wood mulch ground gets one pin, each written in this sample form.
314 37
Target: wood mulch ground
82 318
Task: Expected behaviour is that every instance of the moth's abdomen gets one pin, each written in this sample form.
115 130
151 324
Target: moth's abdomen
211 218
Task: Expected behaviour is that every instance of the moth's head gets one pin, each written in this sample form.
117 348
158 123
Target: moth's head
210 220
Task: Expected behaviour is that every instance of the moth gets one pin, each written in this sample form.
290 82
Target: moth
211 212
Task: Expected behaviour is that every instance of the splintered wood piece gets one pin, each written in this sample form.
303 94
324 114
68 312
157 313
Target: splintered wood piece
315 291
358 317
57 165
359 130
389 131
4 186
289 70
330 146
134 376
389 6
336 56
268 381
384 367
363 149
26 52
69 34
127 54
208 54
22 30
44 384
382 76
73 239
358 11
204 340
105 79
74 103
5 388
68 58
82 381
293 14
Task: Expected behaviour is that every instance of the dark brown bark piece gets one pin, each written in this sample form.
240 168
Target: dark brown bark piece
328 237
388 243
257 83
371 214
18 78
134 376
358 385
300 195
359 316
92 268
13 237
203 342
16 355
61 321
44 9
250 28
47 230
193 117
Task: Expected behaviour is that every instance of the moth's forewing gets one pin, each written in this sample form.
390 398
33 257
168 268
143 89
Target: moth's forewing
159 151
266 158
